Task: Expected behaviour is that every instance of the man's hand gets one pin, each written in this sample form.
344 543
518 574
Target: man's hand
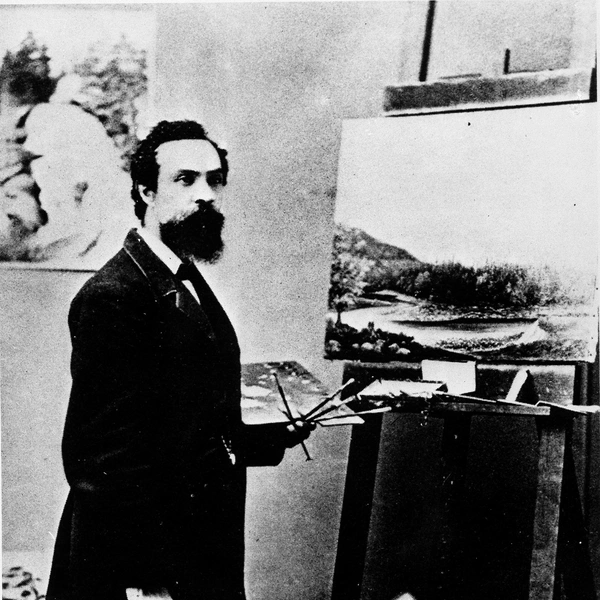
297 432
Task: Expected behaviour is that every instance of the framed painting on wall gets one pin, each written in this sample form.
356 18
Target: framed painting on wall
74 94
467 234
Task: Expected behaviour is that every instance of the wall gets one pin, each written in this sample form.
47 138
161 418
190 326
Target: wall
35 389
272 82
557 34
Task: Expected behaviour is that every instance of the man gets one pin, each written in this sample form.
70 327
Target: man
154 447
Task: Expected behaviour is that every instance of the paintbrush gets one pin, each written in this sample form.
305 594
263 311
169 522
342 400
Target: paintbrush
358 414
330 408
328 399
289 413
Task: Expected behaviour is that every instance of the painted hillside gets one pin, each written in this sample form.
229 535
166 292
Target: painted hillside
386 304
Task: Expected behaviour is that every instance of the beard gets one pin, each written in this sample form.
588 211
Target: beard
196 236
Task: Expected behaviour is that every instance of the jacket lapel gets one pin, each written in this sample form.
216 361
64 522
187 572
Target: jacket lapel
166 286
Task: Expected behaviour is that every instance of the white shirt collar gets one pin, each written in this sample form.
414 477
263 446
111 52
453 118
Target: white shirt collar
161 250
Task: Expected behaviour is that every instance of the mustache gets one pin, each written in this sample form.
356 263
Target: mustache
204 213
196 235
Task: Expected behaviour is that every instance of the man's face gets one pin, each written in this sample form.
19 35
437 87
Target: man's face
186 203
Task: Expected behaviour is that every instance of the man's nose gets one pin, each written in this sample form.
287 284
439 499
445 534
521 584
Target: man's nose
204 192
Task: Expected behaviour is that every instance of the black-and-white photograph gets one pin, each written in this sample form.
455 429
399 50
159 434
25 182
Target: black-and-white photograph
299 300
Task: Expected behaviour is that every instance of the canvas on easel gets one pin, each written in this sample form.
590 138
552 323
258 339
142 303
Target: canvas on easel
470 233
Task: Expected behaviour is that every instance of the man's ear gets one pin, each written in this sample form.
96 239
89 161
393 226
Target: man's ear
146 193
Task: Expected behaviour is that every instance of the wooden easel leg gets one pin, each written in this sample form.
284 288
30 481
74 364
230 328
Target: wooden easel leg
356 510
573 558
547 507
455 447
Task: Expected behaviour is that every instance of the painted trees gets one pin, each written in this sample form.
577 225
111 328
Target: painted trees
348 271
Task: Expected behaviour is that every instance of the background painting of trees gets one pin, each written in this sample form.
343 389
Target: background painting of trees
73 88
447 245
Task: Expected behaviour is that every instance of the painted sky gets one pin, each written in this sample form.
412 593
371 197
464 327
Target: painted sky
68 31
515 185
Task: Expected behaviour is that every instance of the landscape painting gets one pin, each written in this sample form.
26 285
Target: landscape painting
74 100
468 234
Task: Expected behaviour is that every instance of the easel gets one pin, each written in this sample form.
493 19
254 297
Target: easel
560 565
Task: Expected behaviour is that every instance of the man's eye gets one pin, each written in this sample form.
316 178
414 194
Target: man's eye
214 179
185 179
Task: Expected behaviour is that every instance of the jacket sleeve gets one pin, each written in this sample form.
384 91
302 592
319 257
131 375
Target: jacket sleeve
263 445
109 429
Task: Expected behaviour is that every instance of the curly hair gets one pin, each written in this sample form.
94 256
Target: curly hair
144 168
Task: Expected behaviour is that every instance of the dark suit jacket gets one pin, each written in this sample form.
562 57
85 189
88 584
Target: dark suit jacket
154 500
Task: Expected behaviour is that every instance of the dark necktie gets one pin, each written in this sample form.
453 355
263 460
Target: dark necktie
187 271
